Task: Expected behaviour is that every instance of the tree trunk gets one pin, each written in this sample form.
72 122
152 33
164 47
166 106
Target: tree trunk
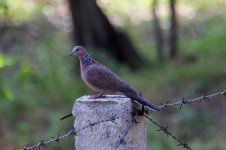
157 32
173 30
92 29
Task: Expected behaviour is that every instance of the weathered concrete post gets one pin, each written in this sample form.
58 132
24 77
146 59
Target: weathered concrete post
106 135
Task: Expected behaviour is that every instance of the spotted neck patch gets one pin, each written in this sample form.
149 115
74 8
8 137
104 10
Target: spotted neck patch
87 60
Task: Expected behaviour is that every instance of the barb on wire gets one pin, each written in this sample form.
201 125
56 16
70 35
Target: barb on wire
194 100
44 143
168 133
112 119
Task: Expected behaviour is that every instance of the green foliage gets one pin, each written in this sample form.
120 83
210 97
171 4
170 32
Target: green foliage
37 81
4 7
112 7
19 11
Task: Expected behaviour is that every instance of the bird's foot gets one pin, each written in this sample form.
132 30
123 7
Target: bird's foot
100 95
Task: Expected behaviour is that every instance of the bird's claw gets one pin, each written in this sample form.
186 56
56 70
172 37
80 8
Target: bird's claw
100 95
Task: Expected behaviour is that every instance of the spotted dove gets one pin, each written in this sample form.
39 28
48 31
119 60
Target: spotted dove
100 78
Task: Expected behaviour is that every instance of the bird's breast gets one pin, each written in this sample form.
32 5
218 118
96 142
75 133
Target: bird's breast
85 78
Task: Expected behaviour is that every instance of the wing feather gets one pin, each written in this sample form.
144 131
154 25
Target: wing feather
103 78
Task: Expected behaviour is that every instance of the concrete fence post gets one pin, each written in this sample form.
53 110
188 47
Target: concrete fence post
107 134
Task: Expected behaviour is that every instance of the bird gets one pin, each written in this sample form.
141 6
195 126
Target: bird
101 79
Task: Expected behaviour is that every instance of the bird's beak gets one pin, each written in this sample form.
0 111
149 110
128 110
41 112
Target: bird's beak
70 54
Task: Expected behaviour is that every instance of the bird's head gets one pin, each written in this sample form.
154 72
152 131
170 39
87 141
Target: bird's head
78 51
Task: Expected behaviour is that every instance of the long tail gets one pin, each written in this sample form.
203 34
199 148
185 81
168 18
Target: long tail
134 96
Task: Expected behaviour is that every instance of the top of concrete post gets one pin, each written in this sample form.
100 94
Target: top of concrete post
108 100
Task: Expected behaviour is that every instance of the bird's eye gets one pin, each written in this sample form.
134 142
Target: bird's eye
78 49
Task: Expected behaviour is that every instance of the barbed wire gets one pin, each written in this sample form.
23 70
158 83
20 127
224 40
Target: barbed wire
73 131
135 112
168 133
122 139
44 143
183 101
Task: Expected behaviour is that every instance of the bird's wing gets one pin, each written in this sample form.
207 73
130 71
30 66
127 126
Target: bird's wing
103 78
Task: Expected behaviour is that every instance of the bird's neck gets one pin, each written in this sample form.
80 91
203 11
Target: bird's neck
86 60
